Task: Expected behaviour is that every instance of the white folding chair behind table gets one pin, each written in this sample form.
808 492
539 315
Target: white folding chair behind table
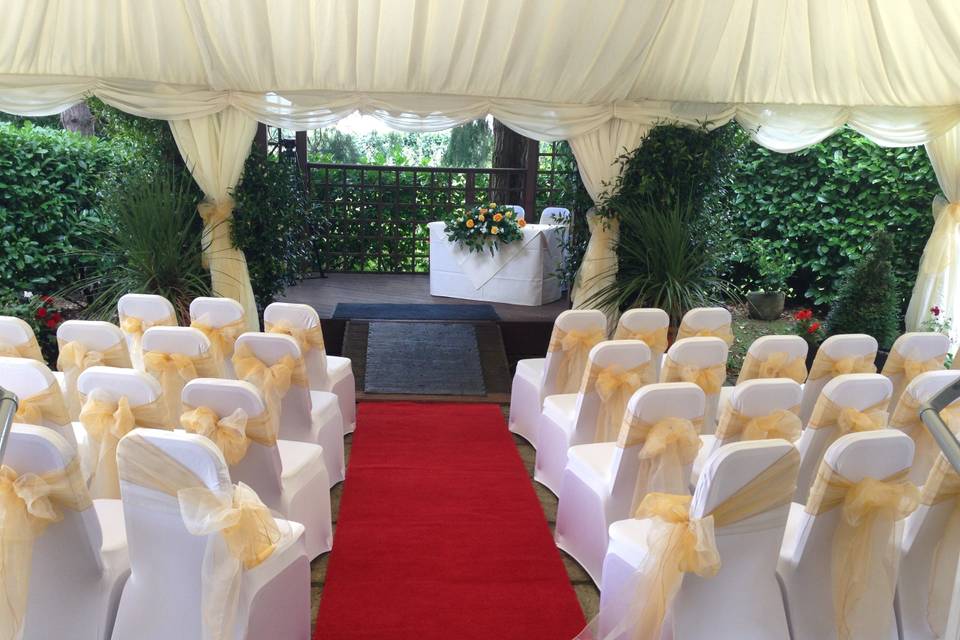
856 348
919 351
518 211
326 372
290 478
906 418
805 557
751 399
772 357
224 314
601 479
748 550
163 597
698 354
536 378
184 341
80 563
17 339
930 550
570 419
137 313
305 415
104 338
29 379
859 391
649 325
556 215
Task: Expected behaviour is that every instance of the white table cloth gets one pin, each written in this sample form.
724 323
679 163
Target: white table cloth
524 272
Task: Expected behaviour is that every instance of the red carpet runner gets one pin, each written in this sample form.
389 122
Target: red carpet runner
440 534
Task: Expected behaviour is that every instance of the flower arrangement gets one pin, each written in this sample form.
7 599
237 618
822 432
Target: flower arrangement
486 226
807 327
938 322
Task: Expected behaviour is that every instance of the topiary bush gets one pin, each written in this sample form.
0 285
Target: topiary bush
868 300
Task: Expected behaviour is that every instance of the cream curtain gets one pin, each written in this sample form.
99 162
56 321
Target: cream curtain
938 283
215 148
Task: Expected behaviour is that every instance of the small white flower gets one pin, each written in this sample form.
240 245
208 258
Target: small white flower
28 294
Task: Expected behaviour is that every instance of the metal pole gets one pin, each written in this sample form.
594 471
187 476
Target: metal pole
8 407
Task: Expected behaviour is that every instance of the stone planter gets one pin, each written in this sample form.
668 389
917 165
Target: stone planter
764 305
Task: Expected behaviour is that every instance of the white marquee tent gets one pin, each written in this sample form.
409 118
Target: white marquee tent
599 73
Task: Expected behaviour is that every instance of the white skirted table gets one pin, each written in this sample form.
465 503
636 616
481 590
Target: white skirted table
524 272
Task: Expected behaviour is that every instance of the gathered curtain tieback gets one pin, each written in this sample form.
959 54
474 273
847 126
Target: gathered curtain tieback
106 421
614 385
241 533
825 366
782 423
778 364
942 484
233 433
710 379
655 339
723 332
573 348
910 368
29 503
862 583
307 338
48 405
222 338
216 216
29 349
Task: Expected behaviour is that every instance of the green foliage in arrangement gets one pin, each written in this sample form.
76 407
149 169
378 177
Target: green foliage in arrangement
275 225
50 180
868 301
819 207
144 238
484 227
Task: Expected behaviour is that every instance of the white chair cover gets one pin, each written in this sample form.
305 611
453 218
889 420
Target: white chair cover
137 312
702 361
911 355
837 355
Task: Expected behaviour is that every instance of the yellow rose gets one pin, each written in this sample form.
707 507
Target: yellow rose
521 223
482 217
510 213
493 205
494 230
497 217
470 224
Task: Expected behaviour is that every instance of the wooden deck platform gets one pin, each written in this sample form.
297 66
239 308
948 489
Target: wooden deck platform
323 294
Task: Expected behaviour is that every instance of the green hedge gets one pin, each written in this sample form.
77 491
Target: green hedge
821 206
49 180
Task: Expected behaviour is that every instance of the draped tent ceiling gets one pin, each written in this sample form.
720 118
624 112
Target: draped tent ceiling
789 71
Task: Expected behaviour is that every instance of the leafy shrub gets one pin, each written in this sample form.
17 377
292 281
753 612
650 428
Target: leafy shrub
868 301
50 180
275 225
819 207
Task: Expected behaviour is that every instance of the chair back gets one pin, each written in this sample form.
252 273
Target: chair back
765 347
182 341
302 316
96 335
703 319
138 387
583 320
220 313
518 211
165 559
757 398
28 378
636 322
702 354
556 215
920 351
151 310
834 348
859 391
17 338
69 550
261 468
611 357
906 418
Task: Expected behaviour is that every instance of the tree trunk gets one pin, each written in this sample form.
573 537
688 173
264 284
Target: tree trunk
78 119
509 152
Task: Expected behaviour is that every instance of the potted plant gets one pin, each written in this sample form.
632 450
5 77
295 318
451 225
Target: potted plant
773 269
811 330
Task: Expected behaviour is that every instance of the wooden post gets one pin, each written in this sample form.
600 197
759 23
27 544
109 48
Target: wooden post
530 180
260 139
470 194
301 148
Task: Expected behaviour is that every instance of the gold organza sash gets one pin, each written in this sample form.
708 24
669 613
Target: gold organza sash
74 358
174 370
46 406
221 338
825 366
573 348
614 386
655 339
910 368
723 332
906 416
134 327
29 349
778 364
29 503
710 379
274 380
844 420
733 425
106 421
678 544
248 534
233 433
943 484
669 447
307 338
864 554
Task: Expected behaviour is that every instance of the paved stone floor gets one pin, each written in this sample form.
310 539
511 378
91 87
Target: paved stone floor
587 593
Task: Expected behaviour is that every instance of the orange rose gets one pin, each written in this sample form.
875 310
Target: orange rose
494 230
470 224
521 223
497 217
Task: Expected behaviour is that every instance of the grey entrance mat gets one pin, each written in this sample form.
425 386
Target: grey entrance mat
423 358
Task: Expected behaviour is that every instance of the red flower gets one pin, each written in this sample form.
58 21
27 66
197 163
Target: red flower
51 324
41 312
813 327
803 314
57 317
935 311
